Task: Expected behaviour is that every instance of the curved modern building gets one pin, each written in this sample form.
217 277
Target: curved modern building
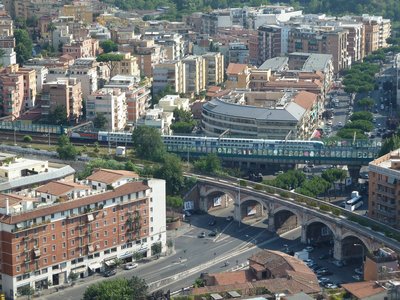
291 121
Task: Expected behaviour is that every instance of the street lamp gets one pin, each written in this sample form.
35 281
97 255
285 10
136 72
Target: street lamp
362 248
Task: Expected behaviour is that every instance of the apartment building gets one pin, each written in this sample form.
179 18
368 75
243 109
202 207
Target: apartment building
29 76
171 102
138 98
355 40
171 73
147 54
81 12
85 71
377 30
9 57
66 92
195 71
157 118
111 103
238 76
173 44
214 68
127 66
324 40
238 53
269 42
6 24
82 48
78 227
11 94
384 189
397 77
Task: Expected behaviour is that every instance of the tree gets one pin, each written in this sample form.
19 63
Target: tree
117 289
27 139
182 127
362 115
363 125
171 172
148 143
23 45
58 116
174 202
168 90
289 180
366 103
100 121
137 256
333 175
73 277
108 46
156 248
65 149
390 144
349 133
110 59
210 164
26 290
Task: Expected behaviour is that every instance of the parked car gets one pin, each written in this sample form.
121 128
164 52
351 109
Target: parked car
130 266
229 218
309 249
359 271
338 263
357 277
110 272
324 272
331 286
212 233
202 235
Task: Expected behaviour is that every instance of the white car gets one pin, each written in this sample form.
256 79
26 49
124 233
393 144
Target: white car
309 249
130 266
357 277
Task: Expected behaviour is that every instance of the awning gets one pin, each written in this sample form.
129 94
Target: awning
234 294
37 253
90 217
142 250
95 266
216 296
110 261
81 269
126 255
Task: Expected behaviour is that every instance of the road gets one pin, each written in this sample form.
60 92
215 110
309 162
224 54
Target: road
194 255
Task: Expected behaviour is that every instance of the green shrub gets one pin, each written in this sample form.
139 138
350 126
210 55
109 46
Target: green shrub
27 139
242 182
258 187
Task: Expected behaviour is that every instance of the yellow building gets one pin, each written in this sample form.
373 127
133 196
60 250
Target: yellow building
127 66
80 12
214 68
238 76
195 74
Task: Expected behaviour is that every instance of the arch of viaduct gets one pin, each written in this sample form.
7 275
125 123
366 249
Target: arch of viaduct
340 230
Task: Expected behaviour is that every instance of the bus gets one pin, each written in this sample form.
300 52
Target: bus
354 203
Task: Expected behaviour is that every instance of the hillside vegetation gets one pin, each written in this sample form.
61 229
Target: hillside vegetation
388 8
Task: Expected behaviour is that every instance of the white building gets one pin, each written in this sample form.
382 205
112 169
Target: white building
112 104
85 71
41 75
171 102
156 118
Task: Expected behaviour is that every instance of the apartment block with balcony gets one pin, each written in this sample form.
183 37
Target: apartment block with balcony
111 103
11 94
214 68
238 53
269 42
78 227
127 66
30 90
66 92
6 24
85 71
147 54
138 98
9 57
171 73
324 40
195 71
82 48
173 44
384 189
377 30
238 76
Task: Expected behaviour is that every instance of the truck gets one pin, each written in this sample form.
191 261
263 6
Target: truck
302 255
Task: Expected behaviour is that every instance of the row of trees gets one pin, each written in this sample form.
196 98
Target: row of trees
295 179
360 78
360 123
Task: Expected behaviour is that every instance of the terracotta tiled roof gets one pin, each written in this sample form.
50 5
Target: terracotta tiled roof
12 199
235 69
364 289
232 277
110 176
305 99
58 188
130 187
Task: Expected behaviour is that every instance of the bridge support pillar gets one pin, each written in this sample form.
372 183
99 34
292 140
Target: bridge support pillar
203 203
354 172
337 249
304 234
236 212
271 222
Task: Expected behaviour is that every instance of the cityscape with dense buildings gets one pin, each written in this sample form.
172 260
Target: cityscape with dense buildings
199 150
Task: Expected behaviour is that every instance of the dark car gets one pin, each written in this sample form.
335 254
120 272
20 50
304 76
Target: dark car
212 222
110 272
229 218
212 233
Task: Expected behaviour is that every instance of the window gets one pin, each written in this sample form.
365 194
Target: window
114 220
63 244
114 230
54 258
105 243
18 270
44 250
45 261
44 240
53 225
53 248
72 232
63 234
53 237
105 233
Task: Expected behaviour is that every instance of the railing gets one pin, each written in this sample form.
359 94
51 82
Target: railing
312 203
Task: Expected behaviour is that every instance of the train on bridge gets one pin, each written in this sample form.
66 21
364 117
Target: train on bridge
200 145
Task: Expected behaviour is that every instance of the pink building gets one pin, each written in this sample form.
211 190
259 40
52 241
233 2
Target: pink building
82 48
